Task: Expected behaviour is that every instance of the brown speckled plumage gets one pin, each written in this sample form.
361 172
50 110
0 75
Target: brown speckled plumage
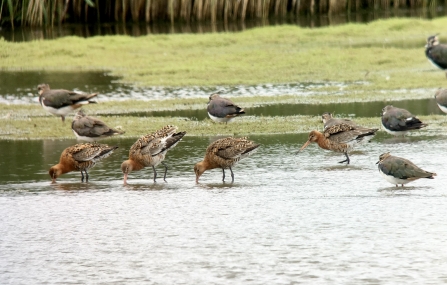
225 153
340 138
80 157
329 121
150 150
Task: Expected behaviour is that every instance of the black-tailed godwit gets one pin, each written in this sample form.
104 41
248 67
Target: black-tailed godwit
225 153
150 150
80 157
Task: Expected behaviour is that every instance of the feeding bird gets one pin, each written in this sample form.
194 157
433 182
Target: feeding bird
340 138
61 102
91 129
80 157
225 153
398 170
397 121
436 52
150 150
222 109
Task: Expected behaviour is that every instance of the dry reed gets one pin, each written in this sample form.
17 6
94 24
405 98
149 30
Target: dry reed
51 12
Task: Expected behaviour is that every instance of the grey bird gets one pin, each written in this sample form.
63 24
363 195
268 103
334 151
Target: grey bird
222 110
441 99
398 170
91 129
329 121
436 53
61 102
398 121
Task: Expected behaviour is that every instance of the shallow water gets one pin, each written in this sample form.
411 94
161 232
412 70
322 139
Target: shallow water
20 88
286 219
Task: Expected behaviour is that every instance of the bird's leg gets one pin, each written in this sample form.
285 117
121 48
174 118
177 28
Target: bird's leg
63 119
166 170
155 173
232 176
223 175
82 176
346 160
86 175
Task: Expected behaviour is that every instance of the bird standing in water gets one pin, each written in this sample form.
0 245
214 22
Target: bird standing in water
340 138
80 157
150 150
398 170
225 153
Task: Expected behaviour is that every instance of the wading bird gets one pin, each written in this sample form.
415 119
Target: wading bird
225 153
340 138
80 157
150 150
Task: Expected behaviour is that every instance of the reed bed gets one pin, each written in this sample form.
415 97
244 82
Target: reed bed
52 12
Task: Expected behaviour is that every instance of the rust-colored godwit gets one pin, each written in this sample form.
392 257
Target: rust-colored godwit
225 153
80 157
398 170
91 129
61 102
340 138
150 150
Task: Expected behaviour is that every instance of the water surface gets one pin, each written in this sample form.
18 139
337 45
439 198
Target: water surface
286 219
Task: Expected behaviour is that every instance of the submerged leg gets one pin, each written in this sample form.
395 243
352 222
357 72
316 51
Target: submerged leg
232 176
346 160
82 176
223 175
155 173
166 170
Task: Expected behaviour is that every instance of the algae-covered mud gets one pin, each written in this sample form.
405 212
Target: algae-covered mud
382 61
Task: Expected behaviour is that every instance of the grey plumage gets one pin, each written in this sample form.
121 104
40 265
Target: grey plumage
91 129
222 109
398 170
397 121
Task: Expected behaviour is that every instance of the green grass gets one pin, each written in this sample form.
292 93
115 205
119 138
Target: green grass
385 55
50 127
391 49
